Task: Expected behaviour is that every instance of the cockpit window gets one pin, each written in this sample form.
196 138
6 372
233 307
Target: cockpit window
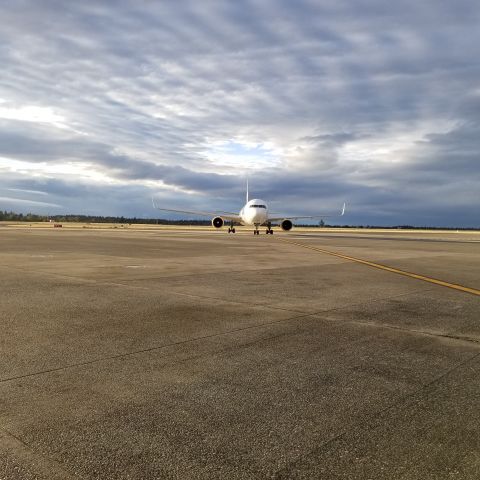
258 206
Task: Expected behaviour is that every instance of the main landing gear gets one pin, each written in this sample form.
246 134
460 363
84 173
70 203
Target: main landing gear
267 231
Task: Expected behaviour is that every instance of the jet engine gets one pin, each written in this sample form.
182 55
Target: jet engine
217 222
286 225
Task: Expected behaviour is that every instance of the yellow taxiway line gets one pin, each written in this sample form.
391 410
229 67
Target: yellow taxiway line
455 286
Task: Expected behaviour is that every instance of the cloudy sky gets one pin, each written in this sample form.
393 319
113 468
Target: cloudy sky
104 104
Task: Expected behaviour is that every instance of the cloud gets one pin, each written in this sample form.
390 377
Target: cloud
368 101
29 203
22 190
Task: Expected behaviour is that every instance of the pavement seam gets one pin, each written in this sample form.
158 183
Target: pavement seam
203 297
161 277
59 469
367 423
460 338
144 350
364 424
146 288
140 287
183 342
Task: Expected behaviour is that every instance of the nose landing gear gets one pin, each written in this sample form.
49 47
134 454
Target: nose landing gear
231 228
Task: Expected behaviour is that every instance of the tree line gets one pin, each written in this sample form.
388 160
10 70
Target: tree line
32 217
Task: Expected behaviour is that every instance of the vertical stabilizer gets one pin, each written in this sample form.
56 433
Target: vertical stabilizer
247 191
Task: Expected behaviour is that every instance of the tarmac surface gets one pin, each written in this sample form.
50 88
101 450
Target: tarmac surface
193 354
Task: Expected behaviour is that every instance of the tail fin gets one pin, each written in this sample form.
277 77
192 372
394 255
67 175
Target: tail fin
247 190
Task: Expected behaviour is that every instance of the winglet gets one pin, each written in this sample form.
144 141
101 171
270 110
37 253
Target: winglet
153 203
343 209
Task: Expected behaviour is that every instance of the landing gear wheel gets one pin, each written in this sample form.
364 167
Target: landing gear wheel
229 230
271 232
233 230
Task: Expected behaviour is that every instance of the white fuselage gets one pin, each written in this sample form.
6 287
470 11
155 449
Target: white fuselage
255 212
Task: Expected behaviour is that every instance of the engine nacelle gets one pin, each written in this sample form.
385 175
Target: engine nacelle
286 225
217 222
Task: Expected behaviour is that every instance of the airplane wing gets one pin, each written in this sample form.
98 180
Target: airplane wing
277 219
224 215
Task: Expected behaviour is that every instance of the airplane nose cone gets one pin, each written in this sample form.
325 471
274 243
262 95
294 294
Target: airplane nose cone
259 217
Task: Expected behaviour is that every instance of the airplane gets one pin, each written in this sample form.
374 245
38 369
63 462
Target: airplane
254 212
